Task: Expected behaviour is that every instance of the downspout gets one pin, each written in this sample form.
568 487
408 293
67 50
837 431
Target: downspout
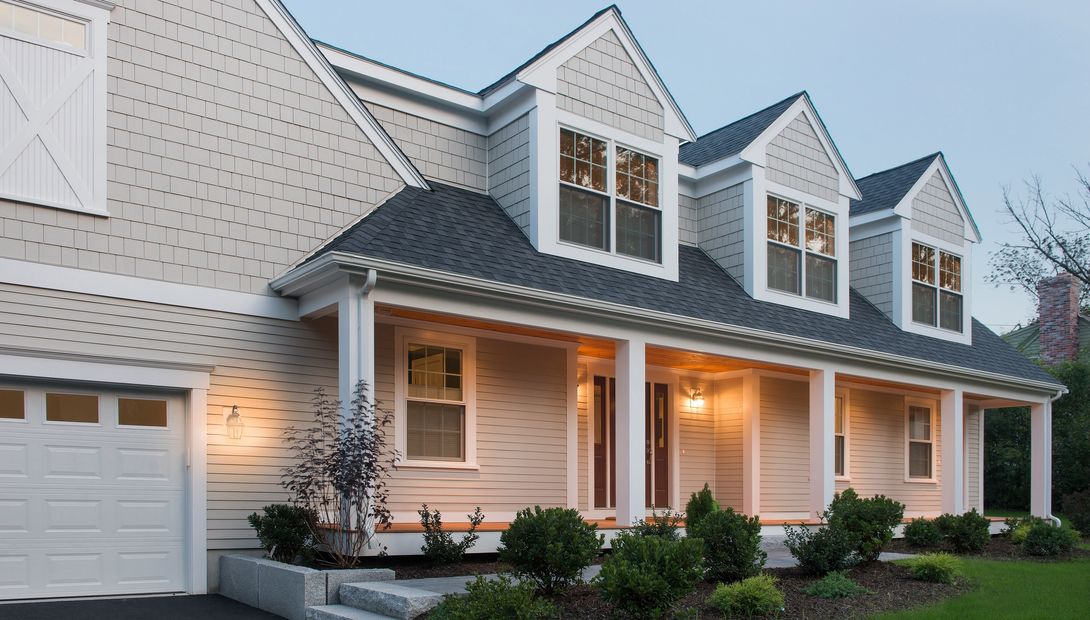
1059 394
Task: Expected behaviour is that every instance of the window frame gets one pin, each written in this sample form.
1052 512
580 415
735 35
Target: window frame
612 144
404 336
803 209
932 407
50 8
936 286
846 475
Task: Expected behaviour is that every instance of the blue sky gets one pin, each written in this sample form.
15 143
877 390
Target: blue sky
1002 88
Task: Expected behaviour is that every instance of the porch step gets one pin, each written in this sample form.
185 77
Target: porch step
389 599
341 612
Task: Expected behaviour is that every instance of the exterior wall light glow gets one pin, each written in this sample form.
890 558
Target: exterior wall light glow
234 423
696 397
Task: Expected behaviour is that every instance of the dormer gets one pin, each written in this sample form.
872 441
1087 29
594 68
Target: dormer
911 248
768 197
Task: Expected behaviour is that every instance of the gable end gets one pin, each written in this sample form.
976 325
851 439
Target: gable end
797 159
935 213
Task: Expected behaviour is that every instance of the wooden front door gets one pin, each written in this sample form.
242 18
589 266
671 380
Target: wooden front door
657 445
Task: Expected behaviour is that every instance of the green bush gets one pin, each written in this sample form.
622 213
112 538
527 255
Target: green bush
1045 539
938 567
967 532
439 545
1018 527
286 532
487 599
666 525
732 545
755 596
921 532
836 584
550 547
646 575
821 551
701 504
872 520
1076 507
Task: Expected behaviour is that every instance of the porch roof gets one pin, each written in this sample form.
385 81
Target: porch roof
468 233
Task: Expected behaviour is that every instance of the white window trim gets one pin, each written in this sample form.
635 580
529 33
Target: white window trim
937 286
803 251
932 406
902 286
468 346
847 475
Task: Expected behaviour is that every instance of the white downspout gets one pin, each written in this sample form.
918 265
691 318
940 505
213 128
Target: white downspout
1059 394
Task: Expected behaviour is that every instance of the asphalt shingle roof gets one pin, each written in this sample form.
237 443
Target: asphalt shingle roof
883 190
735 137
467 233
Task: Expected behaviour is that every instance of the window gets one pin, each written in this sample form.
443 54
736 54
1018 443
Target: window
12 404
840 439
936 288
586 197
81 408
814 277
141 412
32 22
920 442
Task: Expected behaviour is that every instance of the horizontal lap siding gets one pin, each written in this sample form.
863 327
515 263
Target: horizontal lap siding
583 428
268 367
785 445
972 458
696 430
728 444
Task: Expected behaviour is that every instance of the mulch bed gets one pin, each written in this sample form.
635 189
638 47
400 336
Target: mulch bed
999 548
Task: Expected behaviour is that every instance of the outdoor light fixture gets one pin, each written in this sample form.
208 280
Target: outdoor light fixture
234 423
696 397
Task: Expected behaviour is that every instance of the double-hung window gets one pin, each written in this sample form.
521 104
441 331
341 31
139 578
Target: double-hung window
920 444
435 390
801 262
840 440
936 287
624 217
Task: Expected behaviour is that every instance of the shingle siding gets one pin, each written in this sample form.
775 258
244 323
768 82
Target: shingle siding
871 268
603 84
721 228
687 215
797 159
934 212
509 170
439 151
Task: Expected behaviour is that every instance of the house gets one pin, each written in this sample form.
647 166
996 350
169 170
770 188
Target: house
1062 330
567 297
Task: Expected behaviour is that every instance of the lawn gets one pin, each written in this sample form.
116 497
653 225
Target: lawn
1015 590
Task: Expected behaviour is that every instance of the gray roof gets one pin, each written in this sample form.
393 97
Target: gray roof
883 190
467 233
735 137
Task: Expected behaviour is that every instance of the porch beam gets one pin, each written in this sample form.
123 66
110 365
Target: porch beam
822 428
631 443
1040 501
952 407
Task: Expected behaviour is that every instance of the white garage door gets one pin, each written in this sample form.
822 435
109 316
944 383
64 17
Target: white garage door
92 493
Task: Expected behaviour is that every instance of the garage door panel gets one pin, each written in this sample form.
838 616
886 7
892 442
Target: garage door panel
47 514
69 462
14 459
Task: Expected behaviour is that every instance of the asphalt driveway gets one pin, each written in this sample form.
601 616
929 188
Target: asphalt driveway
207 607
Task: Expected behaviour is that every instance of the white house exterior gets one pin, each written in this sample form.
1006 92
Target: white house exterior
565 295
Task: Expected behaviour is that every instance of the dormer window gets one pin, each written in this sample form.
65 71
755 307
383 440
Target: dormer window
936 287
801 264
586 197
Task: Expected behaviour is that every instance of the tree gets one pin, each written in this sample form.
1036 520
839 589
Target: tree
1054 238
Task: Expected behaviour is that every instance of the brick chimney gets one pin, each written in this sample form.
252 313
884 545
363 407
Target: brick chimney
1058 317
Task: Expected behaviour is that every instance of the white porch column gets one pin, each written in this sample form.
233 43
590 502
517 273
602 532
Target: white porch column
953 451
822 427
751 444
1040 485
629 468
356 337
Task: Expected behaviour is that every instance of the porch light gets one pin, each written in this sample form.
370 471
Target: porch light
696 397
234 423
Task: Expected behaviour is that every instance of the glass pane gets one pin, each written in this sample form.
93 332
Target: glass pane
919 460
637 177
950 311
434 372
923 304
919 423
141 412
583 218
435 431
24 20
838 457
950 272
783 268
923 263
567 169
598 178
582 173
638 231
12 402
783 221
5 15
820 277
567 143
49 27
820 232
75 34
838 424
71 408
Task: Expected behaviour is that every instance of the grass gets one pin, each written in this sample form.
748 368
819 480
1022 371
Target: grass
1009 589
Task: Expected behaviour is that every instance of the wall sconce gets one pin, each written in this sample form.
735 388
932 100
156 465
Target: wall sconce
234 423
696 397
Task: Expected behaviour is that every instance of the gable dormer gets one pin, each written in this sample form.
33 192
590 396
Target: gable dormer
911 248
768 198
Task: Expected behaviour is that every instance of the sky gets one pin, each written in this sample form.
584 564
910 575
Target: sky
1001 88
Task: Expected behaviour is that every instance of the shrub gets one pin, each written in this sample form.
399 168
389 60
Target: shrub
938 567
666 525
732 545
487 599
755 596
822 551
967 532
872 520
550 547
1018 527
701 504
286 532
646 575
439 545
836 584
1076 507
1045 539
921 532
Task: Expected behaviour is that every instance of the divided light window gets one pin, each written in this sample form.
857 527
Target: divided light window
435 421
38 24
920 442
802 262
936 288
586 216
840 440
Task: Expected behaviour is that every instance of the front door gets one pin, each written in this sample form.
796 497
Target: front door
657 443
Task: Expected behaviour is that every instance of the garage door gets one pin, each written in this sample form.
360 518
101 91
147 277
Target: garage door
92 493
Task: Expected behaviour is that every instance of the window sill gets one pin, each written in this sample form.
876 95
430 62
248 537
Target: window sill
921 480
842 478
436 465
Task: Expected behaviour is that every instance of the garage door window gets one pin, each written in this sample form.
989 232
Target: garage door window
80 408
12 405
141 412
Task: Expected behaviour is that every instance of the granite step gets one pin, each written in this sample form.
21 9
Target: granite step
341 612
389 599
